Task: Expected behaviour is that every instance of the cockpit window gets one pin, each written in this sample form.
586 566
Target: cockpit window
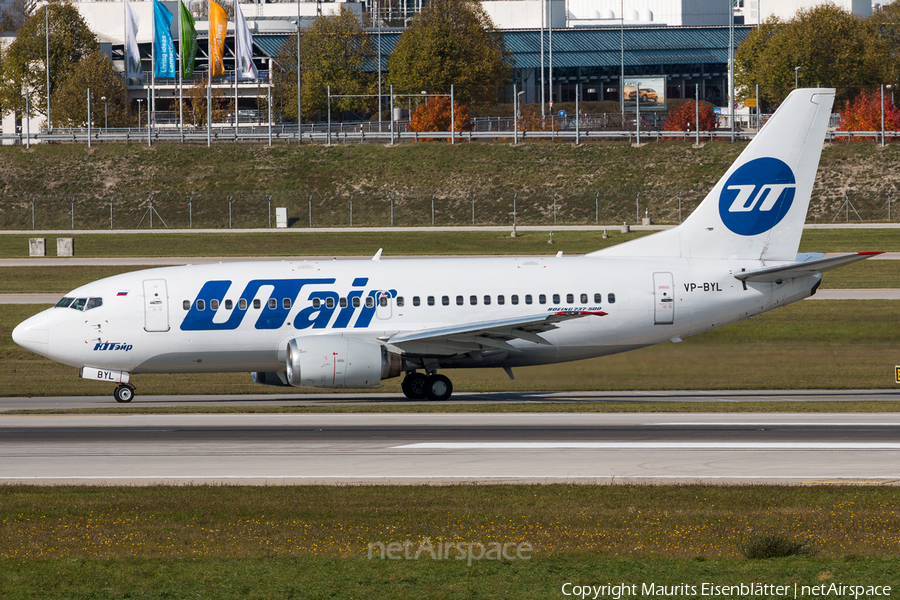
93 303
64 302
79 303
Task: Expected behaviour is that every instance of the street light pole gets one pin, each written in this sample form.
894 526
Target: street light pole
139 112
105 112
47 66
796 71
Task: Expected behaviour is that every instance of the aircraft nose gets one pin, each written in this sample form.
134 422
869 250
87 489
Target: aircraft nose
33 334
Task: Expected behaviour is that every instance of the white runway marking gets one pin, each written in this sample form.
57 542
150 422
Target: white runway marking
652 446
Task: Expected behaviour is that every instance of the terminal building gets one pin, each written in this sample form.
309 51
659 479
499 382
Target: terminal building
585 45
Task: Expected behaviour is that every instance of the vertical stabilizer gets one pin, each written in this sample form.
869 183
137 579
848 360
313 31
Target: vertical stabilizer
758 208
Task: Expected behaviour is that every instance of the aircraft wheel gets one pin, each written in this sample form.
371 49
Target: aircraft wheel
438 387
413 386
124 393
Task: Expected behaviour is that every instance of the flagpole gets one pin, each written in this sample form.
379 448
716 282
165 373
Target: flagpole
152 64
236 8
180 70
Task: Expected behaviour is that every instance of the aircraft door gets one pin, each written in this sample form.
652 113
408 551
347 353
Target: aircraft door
383 306
663 299
156 305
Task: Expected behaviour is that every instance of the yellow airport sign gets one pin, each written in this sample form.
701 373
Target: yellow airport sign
898 373
750 102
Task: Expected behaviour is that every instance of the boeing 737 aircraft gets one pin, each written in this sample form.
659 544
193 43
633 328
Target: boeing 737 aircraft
353 324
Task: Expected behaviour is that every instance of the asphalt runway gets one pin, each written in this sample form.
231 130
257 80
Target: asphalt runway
20 403
350 449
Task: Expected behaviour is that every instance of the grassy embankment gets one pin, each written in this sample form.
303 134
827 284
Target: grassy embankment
312 542
370 175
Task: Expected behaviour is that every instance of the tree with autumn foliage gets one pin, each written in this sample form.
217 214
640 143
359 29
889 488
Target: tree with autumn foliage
434 115
684 118
864 113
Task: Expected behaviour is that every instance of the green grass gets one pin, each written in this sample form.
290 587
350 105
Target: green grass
839 344
289 243
312 541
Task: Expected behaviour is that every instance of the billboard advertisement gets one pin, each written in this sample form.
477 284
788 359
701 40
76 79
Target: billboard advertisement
649 91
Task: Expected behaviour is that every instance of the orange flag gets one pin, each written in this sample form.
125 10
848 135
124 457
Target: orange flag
218 26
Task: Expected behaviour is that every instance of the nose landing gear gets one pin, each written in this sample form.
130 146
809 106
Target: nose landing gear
418 386
124 393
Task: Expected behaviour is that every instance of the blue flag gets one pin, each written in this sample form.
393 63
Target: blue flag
162 41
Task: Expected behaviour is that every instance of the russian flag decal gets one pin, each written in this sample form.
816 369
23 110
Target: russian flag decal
122 294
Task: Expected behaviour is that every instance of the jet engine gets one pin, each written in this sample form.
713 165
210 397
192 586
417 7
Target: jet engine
330 361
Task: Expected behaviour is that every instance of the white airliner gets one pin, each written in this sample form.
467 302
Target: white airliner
353 324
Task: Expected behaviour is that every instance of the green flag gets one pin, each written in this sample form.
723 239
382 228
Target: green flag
187 42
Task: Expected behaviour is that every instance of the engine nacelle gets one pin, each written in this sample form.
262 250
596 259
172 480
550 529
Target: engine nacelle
330 361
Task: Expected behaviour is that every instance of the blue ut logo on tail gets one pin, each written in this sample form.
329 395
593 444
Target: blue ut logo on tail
757 196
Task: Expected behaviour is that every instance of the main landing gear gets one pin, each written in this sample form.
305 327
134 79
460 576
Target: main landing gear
417 386
124 393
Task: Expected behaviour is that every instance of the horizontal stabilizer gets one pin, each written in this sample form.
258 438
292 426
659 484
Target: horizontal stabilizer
808 264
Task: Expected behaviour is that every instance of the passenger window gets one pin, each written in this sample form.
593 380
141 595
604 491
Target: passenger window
213 304
487 300
79 304
400 301
343 302
356 302
317 303
527 298
598 298
445 300
473 300
229 305
570 298
256 303
383 301
416 301
555 298
201 304
501 300
186 305
273 303
329 303
370 302
430 300
514 299
584 299
242 304
94 303
286 303
65 302
611 298
460 300
542 299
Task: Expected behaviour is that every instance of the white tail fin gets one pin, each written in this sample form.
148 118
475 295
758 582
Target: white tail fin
758 208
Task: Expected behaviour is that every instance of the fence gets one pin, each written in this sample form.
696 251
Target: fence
609 206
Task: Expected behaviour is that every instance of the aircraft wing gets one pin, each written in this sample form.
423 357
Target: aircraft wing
484 335
807 264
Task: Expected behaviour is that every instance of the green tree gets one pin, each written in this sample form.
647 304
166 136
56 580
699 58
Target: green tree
828 43
451 42
24 62
284 80
13 15
333 52
70 100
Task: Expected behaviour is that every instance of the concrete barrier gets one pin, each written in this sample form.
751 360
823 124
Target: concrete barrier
37 247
